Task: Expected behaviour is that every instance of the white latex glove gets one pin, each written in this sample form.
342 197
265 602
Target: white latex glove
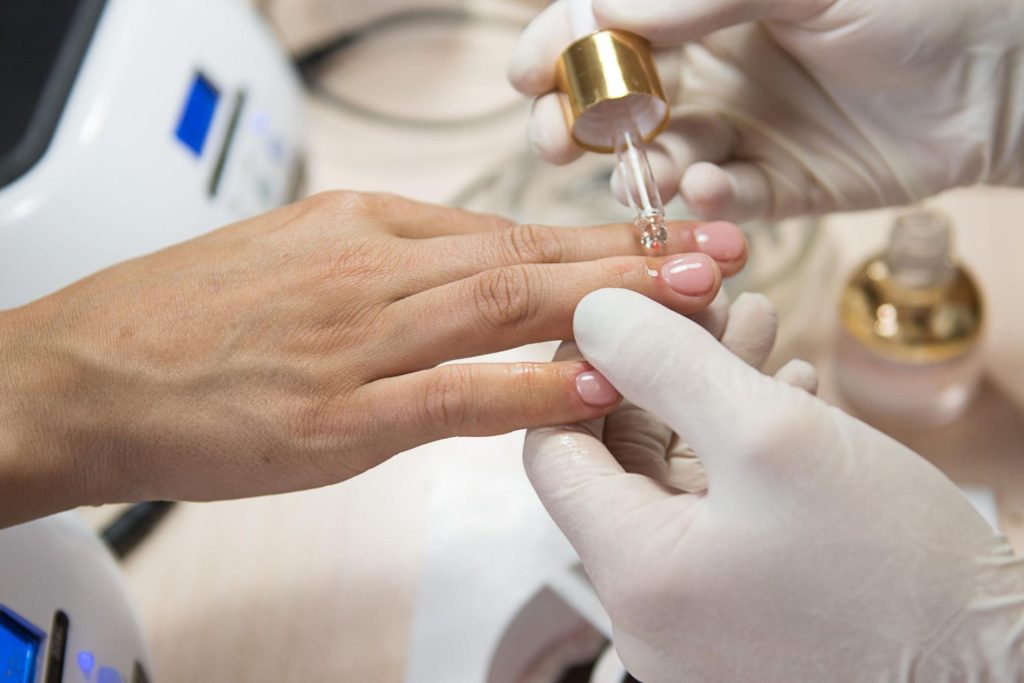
822 550
821 105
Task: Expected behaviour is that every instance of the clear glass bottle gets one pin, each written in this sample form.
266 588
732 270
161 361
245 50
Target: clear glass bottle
912 319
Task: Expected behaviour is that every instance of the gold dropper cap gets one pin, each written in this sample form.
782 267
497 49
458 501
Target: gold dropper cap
914 303
603 74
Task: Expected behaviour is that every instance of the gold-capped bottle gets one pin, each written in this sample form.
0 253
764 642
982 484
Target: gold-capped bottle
912 320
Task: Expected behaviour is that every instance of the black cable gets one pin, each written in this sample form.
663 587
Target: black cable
133 525
310 61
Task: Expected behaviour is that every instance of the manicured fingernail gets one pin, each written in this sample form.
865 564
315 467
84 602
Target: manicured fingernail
721 241
690 274
595 390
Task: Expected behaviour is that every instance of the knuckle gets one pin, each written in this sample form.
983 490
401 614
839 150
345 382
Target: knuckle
350 202
503 297
311 422
446 399
315 432
334 199
533 244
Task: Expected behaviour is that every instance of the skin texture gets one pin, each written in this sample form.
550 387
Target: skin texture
300 348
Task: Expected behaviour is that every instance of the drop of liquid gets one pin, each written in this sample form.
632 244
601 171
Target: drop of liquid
653 233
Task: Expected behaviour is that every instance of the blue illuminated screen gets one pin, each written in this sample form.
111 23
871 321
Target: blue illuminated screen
19 647
197 115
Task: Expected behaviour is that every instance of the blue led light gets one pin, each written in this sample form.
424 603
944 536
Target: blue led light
19 647
197 115
109 675
86 661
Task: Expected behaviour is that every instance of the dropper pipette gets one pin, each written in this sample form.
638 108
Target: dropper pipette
615 103
638 183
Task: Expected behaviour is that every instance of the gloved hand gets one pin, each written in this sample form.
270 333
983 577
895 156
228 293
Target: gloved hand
821 105
821 550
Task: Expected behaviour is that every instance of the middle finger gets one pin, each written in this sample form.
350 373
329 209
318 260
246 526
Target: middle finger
507 307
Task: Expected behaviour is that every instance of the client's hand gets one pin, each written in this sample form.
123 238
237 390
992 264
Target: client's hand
301 347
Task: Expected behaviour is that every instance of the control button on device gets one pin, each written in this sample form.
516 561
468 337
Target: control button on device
58 647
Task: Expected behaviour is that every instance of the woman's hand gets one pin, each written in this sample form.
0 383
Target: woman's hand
300 348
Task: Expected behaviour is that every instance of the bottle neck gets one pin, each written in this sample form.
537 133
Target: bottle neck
920 250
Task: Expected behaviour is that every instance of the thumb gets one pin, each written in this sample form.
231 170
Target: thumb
670 366
581 484
665 22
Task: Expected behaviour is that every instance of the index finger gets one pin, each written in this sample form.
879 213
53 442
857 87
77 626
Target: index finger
463 256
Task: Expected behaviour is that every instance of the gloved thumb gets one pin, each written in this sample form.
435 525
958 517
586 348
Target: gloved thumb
673 368
672 23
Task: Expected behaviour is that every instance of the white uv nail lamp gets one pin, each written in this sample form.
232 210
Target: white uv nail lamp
125 126
64 612
130 125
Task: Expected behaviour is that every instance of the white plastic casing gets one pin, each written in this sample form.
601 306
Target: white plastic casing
115 181
58 563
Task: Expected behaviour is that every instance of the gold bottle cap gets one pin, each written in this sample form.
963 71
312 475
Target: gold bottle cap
600 75
913 303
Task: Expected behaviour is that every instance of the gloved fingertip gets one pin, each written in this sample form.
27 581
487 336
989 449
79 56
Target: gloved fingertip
800 374
549 134
528 77
708 190
756 303
753 324
531 68
715 317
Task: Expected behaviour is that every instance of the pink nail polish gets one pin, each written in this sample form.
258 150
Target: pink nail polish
721 241
595 390
690 274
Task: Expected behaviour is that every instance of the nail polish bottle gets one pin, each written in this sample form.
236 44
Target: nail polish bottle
912 319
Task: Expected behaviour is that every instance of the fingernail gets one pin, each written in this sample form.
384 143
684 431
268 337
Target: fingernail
721 241
690 274
595 390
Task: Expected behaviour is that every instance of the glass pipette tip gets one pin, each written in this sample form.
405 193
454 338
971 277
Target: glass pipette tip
640 188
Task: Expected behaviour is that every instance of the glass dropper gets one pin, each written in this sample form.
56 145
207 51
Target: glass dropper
639 186
613 86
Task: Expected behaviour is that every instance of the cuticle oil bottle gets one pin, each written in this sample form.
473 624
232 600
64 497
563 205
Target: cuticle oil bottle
911 321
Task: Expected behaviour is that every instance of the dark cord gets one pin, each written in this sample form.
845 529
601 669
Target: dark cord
310 61
133 525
